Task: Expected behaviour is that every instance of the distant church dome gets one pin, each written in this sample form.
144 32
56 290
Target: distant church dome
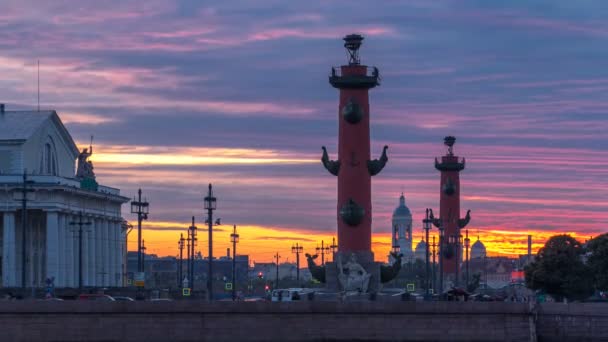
402 210
402 230
420 252
478 249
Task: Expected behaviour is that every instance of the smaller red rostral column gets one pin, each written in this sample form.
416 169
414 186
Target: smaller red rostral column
354 167
449 211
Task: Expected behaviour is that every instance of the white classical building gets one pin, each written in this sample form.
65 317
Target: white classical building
37 144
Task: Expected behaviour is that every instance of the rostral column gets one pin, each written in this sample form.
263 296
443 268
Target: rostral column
449 212
354 168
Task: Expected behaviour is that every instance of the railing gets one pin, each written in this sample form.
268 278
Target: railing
336 71
54 180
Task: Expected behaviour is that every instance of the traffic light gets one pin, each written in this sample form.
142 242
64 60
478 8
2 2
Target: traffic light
267 288
260 275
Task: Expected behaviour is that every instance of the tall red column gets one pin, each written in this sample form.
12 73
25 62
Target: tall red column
354 168
449 212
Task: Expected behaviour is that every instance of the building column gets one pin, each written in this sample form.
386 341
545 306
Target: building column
52 246
123 256
98 252
86 255
75 250
60 281
67 242
105 256
111 251
91 241
9 252
116 253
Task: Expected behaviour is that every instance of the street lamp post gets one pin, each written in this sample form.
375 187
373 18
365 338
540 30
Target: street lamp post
441 255
459 244
297 249
427 226
277 257
80 223
141 208
323 250
143 254
210 206
180 268
192 235
188 266
467 244
333 248
396 249
434 278
234 238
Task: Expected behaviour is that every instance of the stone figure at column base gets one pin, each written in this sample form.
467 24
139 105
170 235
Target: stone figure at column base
352 276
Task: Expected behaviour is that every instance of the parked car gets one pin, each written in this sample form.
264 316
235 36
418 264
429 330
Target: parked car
96 297
289 295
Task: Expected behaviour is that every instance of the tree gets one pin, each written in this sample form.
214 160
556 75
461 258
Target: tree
597 260
559 270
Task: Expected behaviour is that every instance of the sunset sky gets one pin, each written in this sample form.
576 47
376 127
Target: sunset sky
179 94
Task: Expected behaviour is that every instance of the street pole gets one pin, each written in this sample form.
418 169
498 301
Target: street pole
188 263
210 205
192 231
80 223
277 256
140 208
323 250
140 262
427 226
467 243
441 255
455 241
333 248
181 258
434 279
143 254
234 237
297 249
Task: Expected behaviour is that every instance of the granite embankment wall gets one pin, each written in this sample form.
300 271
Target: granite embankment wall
302 321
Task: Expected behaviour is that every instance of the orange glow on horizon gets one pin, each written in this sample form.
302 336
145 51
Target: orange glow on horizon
261 243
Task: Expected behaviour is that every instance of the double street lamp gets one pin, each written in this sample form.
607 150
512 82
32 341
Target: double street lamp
441 256
467 245
141 208
210 206
234 238
322 250
333 248
426 224
297 249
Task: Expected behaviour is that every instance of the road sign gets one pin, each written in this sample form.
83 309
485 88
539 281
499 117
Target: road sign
228 286
140 278
411 287
186 292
